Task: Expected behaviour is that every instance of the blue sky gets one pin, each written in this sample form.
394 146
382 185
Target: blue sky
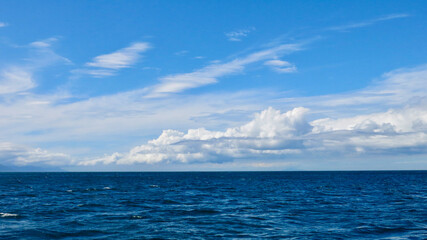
214 85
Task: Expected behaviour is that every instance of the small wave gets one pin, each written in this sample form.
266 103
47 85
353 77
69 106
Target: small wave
69 190
11 215
154 186
106 188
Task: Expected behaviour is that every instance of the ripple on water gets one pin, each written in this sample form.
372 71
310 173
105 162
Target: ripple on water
293 205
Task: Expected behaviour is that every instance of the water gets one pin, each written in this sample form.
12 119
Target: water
278 205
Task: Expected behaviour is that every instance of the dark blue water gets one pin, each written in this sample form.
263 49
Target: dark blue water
279 205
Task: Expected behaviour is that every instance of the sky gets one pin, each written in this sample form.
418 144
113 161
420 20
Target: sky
213 85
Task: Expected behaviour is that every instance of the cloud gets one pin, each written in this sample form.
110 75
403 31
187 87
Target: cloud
281 66
236 36
396 130
3 24
18 155
400 129
368 22
393 89
15 79
46 43
342 123
208 75
272 134
108 64
126 115
119 59
19 78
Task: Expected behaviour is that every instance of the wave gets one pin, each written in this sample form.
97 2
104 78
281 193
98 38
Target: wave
8 215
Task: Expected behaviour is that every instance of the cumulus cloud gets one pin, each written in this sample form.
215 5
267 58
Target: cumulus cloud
401 129
18 155
238 35
272 134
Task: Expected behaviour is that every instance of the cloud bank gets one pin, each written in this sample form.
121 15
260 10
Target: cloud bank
18 155
272 134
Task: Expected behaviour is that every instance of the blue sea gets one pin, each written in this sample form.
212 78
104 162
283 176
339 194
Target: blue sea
214 205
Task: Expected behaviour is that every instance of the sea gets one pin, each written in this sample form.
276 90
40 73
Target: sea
214 205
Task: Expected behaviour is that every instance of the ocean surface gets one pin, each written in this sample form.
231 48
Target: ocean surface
212 205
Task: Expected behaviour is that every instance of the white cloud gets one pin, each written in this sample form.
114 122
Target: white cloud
3 24
15 79
19 78
237 35
122 58
108 64
12 154
392 90
402 129
44 43
281 66
209 74
368 22
272 134
62 118
344 122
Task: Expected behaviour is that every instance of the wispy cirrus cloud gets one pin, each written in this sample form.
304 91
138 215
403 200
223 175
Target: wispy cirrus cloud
368 22
46 43
3 24
108 64
18 78
281 66
15 79
208 75
122 58
238 35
